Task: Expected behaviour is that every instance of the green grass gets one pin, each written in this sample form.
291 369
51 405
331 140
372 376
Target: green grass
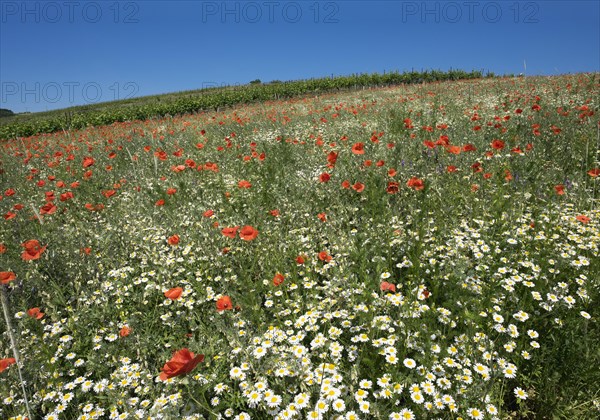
495 309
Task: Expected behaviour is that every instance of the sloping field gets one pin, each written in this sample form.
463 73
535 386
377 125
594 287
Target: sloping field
424 251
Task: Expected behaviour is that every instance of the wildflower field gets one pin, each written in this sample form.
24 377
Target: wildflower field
414 252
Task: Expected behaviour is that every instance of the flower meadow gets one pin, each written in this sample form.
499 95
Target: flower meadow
420 251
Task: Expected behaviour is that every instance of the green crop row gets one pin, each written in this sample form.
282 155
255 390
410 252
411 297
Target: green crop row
213 99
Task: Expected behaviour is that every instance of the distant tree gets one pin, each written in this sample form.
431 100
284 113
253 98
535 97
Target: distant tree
6 112
256 82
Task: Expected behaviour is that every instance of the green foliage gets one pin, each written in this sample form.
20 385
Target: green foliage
212 99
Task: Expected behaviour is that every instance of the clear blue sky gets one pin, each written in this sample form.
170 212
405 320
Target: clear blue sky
55 54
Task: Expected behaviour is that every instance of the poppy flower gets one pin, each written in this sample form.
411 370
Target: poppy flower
583 219
346 184
392 187
208 213
468 148
274 213
5 363
358 187
451 168
224 304
173 240
594 172
182 362
174 293
358 148
415 183
244 184
322 217
108 193
324 177
33 250
230 232
387 287
88 161
497 144
3 248
332 158
48 208
160 202
7 276
300 260
455 150
35 313
125 331
9 192
278 279
324 256
392 172
248 233
560 189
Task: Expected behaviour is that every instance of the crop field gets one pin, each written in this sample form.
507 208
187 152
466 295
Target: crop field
426 251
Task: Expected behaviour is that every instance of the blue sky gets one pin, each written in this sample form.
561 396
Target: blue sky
55 54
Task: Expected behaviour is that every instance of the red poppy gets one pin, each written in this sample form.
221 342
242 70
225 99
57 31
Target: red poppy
358 148
594 172
208 213
415 183
108 193
497 144
33 250
324 256
230 232
48 208
174 293
248 233
173 240
358 187
583 219
392 172
171 191
7 276
392 187
5 363
88 161
468 148
3 248
125 331
35 313
300 260
274 213
182 362
244 184
455 150
9 192
160 202
278 279
224 304
346 184
322 217
560 189
451 168
332 158
387 287
324 177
